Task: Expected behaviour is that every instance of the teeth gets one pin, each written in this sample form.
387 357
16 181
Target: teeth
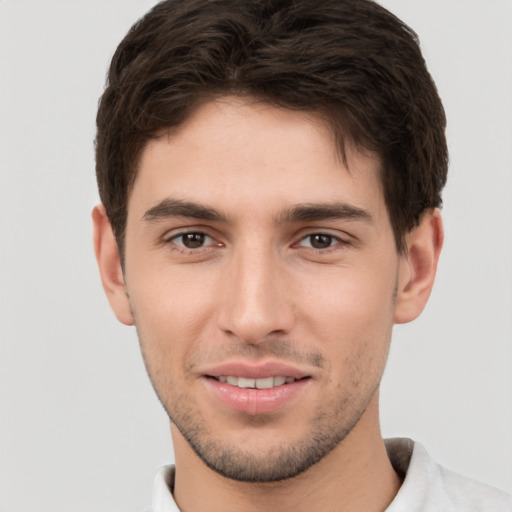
266 383
246 383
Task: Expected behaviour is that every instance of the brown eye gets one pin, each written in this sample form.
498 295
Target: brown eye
320 241
193 240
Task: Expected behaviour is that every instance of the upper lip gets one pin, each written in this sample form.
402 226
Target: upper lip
258 370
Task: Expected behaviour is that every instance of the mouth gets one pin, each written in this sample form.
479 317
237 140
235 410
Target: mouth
256 389
249 383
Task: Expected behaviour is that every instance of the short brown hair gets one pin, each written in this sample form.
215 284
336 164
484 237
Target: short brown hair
350 61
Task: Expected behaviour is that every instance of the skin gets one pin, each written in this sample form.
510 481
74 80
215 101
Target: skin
259 283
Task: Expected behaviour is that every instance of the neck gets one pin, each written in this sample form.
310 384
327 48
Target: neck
355 476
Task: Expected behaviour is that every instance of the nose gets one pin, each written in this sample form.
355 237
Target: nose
255 301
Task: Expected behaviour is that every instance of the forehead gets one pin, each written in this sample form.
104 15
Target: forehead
244 154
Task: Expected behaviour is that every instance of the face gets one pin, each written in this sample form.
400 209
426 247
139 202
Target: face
261 273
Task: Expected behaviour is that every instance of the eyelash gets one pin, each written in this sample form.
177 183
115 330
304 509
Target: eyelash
182 247
334 242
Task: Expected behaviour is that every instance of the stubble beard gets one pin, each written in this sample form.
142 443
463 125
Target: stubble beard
328 429
277 464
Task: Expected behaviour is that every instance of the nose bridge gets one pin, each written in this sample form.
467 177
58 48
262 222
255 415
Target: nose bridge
256 304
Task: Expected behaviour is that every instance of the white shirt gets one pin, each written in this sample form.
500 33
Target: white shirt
427 487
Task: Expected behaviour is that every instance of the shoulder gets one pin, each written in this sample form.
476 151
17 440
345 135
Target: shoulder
474 496
429 487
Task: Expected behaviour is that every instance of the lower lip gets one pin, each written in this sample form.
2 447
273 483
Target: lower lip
256 401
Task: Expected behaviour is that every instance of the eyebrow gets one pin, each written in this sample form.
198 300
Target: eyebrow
171 207
324 211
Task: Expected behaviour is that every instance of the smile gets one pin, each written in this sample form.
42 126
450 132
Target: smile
255 396
265 383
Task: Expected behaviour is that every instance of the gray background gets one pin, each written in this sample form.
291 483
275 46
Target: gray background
80 429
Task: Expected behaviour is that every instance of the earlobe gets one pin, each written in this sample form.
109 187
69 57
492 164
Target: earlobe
418 267
109 263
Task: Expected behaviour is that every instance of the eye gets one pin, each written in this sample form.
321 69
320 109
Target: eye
193 240
319 241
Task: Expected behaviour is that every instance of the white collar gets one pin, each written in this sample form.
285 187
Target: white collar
427 487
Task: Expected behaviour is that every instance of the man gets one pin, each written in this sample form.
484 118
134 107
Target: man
270 175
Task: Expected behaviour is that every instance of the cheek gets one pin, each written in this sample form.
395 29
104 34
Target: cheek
352 318
350 300
170 308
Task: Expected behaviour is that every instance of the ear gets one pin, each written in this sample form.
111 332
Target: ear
418 267
109 263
